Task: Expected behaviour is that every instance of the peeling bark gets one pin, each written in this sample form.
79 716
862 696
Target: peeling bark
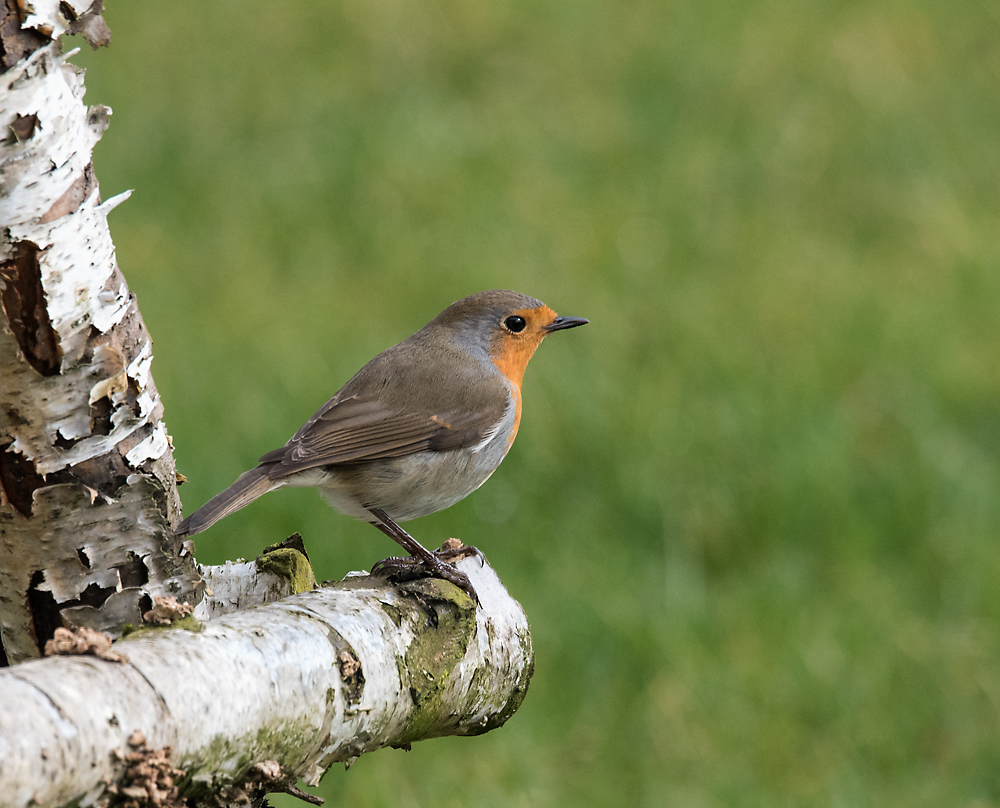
98 564
16 42
87 483
51 19
319 678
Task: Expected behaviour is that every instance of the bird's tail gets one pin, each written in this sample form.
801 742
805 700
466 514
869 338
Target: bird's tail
249 486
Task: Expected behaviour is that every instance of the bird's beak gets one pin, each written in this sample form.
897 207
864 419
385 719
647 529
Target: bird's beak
562 323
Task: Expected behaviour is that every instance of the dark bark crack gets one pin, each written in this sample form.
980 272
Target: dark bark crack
133 572
45 615
18 480
23 301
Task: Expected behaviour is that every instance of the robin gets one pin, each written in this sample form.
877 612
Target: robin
417 429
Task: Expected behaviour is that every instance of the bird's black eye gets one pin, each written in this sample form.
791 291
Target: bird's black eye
515 324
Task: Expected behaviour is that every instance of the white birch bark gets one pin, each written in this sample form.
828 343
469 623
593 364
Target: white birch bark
319 678
87 482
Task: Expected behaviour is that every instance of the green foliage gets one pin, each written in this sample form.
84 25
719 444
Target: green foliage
753 508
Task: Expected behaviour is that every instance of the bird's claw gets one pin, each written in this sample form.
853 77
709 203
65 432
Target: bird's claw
410 568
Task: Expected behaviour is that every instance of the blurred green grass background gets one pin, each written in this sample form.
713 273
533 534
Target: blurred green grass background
752 512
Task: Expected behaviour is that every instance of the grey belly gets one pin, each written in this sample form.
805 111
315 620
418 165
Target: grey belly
404 487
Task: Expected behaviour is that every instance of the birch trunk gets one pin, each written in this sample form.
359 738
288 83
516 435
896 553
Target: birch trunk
87 483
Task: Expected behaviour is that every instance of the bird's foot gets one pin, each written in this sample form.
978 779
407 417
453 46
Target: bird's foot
422 562
410 568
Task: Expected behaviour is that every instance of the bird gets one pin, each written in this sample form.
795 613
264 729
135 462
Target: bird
417 429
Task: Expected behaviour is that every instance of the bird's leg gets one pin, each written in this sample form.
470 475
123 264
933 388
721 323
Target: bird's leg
419 556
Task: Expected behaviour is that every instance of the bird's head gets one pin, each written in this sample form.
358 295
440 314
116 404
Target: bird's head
509 326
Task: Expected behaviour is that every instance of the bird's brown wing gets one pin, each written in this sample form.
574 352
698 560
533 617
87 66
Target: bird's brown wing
353 430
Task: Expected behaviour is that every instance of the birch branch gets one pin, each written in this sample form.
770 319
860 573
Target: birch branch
319 678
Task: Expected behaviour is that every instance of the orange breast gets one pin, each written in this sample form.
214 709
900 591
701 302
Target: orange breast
517 418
